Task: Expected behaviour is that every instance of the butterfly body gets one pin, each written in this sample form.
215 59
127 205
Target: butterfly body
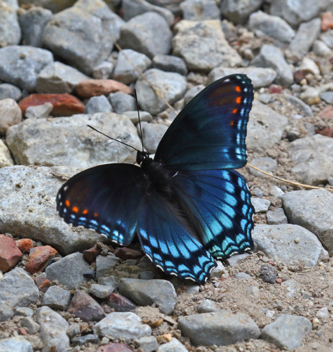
187 205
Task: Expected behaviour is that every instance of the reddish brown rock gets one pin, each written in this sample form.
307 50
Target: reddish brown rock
326 21
327 113
115 347
85 307
275 89
328 132
92 87
25 244
63 104
120 304
38 258
91 254
42 283
9 253
127 253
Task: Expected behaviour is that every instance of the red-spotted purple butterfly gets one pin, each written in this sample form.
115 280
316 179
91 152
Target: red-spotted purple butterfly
187 205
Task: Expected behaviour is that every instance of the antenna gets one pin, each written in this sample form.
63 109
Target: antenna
139 120
93 128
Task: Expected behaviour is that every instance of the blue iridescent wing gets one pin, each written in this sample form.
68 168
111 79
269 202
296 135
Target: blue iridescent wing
168 243
106 198
209 133
222 202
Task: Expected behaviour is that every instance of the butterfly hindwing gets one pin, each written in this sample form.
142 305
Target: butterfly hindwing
209 133
106 198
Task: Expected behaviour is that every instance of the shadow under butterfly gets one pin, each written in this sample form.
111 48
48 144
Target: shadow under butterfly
187 205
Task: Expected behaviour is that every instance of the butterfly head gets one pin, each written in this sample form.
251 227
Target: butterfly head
141 156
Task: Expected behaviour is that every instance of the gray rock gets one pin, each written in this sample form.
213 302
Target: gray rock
136 34
56 298
171 86
260 205
124 326
33 141
107 281
275 27
10 31
147 292
313 159
17 343
103 70
17 289
265 127
207 306
200 10
192 92
320 48
309 209
104 265
264 163
53 5
101 291
30 325
10 114
52 330
300 105
172 5
122 102
260 77
84 34
152 134
147 343
38 111
271 56
133 8
170 63
20 65
58 78
81 340
291 244
133 116
9 91
287 331
292 287
306 35
327 97
173 346
219 270
38 187
124 71
242 276
276 217
23 311
202 45
268 273
327 38
219 328
5 158
238 11
33 23
233 260
98 104
68 271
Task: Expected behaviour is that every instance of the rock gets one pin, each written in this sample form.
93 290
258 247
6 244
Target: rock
218 328
308 209
172 346
81 340
30 325
63 104
172 87
306 35
10 31
264 163
327 38
9 91
57 298
10 255
233 260
260 205
268 273
170 63
101 291
52 5
272 26
125 253
309 66
58 78
239 11
124 326
91 254
98 104
200 10
137 35
287 331
122 102
151 135
320 48
202 45
290 244
207 306
114 347
300 105
265 127
124 71
260 77
103 70
271 56
242 276
52 330
120 303
104 265
17 289
147 292
323 313
39 258
10 114
147 343
327 97
17 343
39 111
192 92
40 220
133 8
133 116
68 271
31 61
276 217
85 307
42 283
293 288
312 159
90 148
83 35
219 270
93 87
33 23
23 311
172 5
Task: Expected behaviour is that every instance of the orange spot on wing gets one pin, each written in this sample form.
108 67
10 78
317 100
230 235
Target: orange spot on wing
95 215
234 112
75 209
85 211
67 203
238 89
232 123
238 100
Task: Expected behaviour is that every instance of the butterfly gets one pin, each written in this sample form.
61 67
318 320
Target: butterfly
187 205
